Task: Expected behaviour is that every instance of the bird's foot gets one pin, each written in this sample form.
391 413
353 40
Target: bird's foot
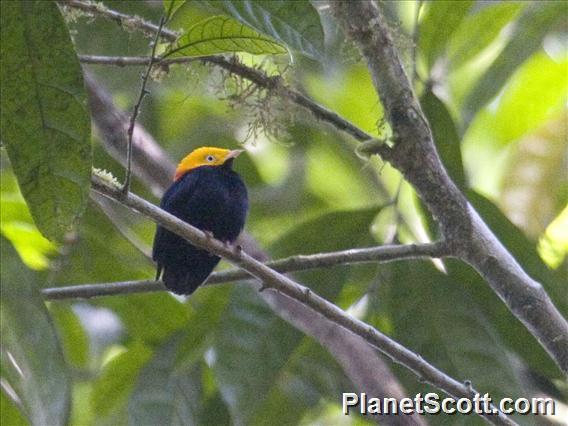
208 234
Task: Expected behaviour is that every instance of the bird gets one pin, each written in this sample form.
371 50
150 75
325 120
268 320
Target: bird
208 194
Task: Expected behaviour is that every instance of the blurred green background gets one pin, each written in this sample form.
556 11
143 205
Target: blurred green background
492 78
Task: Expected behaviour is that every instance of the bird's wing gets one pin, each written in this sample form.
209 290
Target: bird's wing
173 201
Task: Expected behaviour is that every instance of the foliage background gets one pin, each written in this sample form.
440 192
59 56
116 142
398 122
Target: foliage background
492 78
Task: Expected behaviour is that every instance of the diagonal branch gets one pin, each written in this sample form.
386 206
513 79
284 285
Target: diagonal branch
273 280
414 154
367 371
295 263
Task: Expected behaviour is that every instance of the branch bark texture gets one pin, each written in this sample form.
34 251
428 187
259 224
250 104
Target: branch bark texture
414 154
290 264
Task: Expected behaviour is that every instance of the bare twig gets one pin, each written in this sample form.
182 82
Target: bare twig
259 77
295 263
130 21
124 61
143 93
414 154
283 284
151 164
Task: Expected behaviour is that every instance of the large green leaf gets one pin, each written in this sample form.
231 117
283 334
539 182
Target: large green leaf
32 361
222 34
16 224
9 414
164 395
311 374
150 317
534 95
530 29
439 316
168 388
296 25
253 346
101 254
479 30
112 388
437 26
44 121
74 339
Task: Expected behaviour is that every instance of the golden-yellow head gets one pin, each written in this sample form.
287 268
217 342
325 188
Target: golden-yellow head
205 156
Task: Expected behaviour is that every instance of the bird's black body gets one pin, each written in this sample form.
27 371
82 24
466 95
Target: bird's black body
211 198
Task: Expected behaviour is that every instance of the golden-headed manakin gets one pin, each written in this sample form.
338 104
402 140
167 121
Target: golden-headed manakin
209 195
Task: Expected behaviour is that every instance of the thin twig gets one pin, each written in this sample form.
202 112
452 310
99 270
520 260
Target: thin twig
259 77
123 61
295 263
143 93
122 19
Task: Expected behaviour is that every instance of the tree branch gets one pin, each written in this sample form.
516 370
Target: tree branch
295 263
150 163
283 284
125 61
259 77
138 104
153 166
414 154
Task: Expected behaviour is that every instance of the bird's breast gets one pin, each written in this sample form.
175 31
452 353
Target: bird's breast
219 204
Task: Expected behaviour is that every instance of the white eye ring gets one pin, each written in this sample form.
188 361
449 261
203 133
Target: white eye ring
210 158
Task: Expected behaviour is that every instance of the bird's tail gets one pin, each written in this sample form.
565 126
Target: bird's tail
184 280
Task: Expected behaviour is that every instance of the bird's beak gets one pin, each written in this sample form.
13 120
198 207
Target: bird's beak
234 153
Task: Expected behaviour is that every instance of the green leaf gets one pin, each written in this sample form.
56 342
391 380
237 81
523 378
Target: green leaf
112 388
253 346
32 361
445 136
530 29
44 121
168 388
221 34
440 21
439 316
163 394
101 254
172 5
150 318
311 374
9 413
73 337
479 30
533 95
297 26
33 247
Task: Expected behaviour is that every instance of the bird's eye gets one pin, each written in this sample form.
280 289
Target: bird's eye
210 158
